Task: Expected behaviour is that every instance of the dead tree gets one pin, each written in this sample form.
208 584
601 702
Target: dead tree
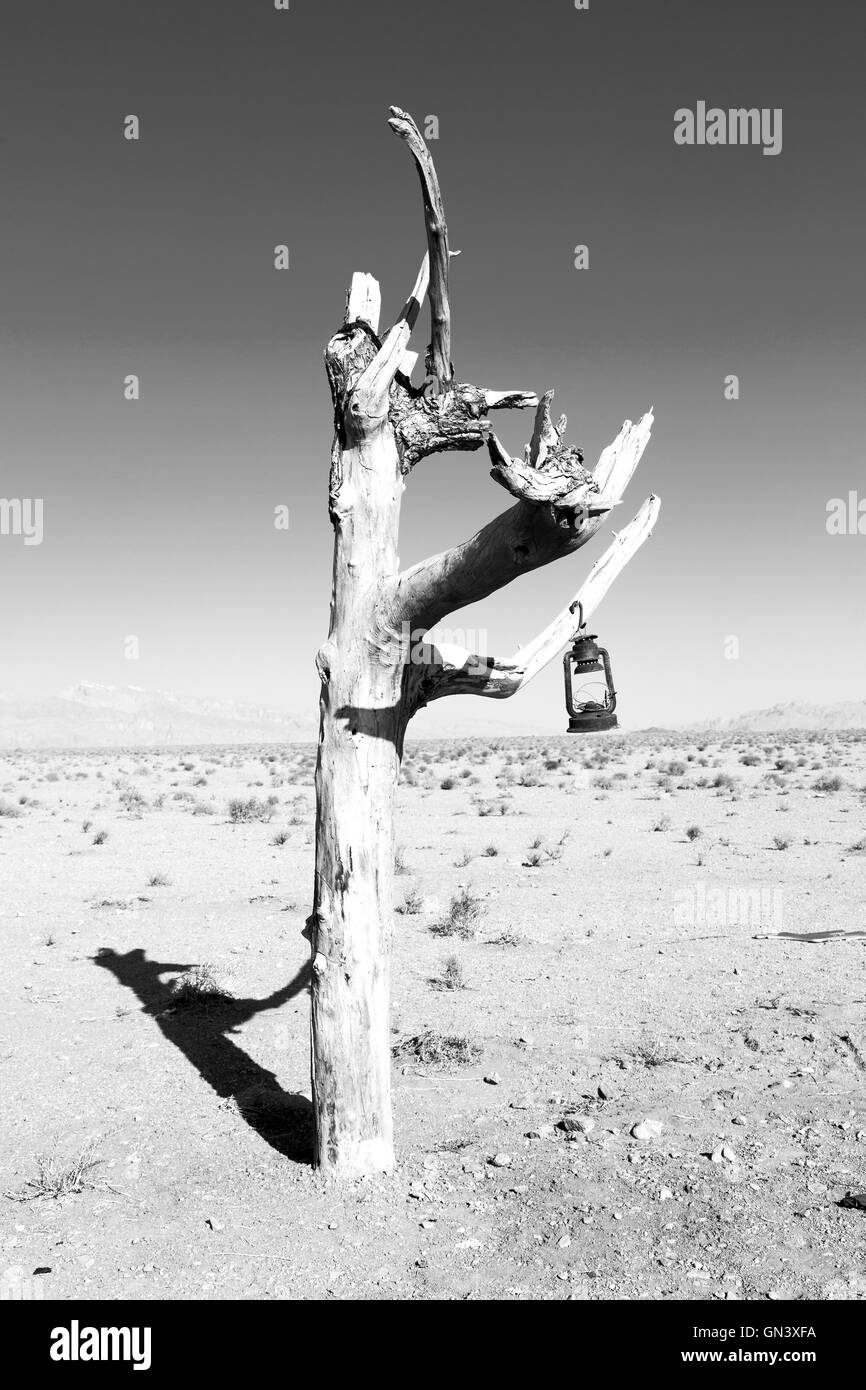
376 669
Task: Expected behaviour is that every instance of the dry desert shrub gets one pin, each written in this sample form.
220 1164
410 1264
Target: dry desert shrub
55 1178
198 991
132 801
412 903
540 853
452 975
243 811
437 1050
774 779
463 917
651 1052
828 784
500 807
509 937
529 778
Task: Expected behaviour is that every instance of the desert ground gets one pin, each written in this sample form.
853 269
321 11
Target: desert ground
628 1025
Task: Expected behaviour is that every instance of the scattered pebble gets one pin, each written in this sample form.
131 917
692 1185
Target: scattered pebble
647 1129
540 1132
723 1153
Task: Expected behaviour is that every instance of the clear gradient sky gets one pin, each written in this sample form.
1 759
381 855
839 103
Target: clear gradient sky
556 128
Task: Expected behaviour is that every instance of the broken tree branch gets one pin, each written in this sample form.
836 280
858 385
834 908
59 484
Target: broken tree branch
561 507
440 371
371 394
564 489
552 474
364 301
618 461
454 671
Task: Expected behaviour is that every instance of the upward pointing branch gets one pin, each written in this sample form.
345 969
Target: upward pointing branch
440 372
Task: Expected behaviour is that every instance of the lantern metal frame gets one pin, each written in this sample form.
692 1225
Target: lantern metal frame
584 658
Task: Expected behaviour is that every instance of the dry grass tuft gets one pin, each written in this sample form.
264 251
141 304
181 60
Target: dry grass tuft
56 1179
437 1050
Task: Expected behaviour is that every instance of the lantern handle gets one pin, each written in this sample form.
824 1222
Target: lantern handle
577 604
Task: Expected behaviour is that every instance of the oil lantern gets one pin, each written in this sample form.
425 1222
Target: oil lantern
589 694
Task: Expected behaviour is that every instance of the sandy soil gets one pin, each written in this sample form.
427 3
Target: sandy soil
615 973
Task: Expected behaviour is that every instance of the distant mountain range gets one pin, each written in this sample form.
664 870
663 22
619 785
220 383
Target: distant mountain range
105 716
846 714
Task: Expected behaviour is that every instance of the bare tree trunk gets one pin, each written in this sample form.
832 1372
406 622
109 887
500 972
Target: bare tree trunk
356 776
372 680
355 782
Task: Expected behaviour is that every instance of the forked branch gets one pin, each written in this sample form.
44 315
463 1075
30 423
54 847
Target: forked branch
453 671
562 506
552 474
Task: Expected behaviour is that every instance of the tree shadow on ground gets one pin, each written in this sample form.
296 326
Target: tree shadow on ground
198 1025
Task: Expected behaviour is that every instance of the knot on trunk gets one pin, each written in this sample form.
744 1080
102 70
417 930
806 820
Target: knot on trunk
429 422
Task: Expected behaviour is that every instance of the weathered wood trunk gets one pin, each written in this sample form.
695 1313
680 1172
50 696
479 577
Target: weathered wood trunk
360 743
